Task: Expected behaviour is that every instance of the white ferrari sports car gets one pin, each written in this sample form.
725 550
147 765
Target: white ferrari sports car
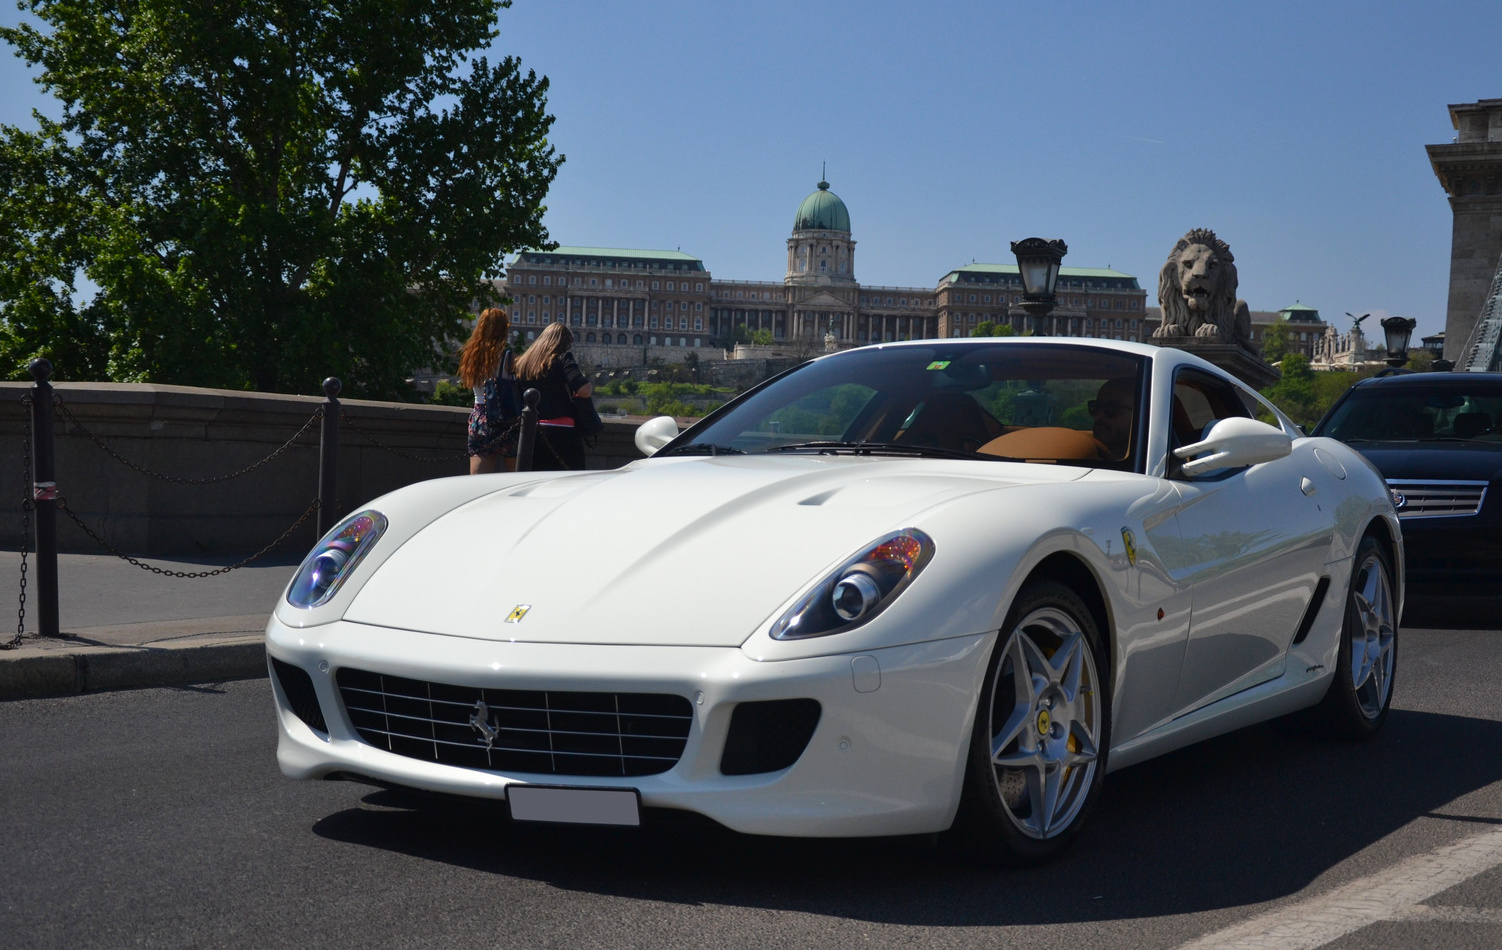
900 589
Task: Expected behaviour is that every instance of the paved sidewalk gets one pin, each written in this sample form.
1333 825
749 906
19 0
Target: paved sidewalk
126 628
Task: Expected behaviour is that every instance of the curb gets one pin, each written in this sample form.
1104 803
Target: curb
36 674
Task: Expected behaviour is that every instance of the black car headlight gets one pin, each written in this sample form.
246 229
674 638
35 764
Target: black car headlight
860 589
334 558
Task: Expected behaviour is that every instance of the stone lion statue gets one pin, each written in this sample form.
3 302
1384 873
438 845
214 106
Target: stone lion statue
1197 291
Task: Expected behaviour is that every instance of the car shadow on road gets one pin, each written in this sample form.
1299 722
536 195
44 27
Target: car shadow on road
1241 819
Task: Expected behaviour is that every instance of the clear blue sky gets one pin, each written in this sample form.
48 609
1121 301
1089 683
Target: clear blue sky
1295 130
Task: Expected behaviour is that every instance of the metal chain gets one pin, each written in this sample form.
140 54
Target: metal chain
344 419
317 414
542 434
62 505
27 504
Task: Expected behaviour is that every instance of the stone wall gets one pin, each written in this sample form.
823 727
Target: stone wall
201 433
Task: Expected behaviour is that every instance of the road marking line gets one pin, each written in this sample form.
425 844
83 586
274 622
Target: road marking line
1388 895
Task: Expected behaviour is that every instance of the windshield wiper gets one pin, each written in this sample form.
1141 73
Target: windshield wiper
885 448
701 448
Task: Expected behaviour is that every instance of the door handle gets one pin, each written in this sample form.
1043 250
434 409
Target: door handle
1306 486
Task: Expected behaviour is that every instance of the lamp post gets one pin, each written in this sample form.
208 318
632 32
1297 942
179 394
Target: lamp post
1398 331
1038 260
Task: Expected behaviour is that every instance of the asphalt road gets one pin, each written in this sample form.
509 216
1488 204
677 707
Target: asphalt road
158 819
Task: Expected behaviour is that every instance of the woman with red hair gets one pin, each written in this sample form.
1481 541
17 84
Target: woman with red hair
479 362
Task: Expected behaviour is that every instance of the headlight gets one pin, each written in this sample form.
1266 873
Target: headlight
334 558
860 589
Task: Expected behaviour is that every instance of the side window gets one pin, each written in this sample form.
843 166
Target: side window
1200 401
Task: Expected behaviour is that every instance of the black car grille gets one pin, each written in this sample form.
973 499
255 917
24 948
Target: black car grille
547 732
1436 499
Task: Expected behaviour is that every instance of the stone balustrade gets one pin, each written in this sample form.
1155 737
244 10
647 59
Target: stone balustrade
188 432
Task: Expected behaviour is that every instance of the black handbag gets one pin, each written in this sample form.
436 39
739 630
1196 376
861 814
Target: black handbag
587 422
503 398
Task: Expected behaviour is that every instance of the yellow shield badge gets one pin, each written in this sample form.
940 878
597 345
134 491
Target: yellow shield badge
517 613
1130 540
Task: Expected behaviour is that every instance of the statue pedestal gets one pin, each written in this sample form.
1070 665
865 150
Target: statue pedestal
1234 358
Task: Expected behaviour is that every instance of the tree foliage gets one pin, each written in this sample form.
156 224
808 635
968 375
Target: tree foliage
264 194
1275 342
991 328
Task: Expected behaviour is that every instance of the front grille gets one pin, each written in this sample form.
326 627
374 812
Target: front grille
1436 499
552 733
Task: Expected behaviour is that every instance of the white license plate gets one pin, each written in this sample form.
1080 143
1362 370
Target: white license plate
580 806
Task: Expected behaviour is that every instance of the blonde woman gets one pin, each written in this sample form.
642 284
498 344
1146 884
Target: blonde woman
548 366
479 362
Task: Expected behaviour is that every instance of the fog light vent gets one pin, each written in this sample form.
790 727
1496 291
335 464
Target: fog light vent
297 686
768 736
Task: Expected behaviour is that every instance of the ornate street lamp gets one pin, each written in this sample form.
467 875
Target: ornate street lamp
1399 330
1038 260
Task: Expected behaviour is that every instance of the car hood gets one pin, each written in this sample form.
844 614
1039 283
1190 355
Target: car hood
1463 461
676 551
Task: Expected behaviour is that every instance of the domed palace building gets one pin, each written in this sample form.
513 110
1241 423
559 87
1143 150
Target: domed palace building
628 306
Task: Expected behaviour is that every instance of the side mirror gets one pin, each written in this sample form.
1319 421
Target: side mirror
1234 443
655 433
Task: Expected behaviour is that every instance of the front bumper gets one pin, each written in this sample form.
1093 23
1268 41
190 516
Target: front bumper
1453 557
887 760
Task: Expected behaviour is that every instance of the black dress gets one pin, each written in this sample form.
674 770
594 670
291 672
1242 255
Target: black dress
558 447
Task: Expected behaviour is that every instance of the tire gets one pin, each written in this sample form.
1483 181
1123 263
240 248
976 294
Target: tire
1361 690
1037 754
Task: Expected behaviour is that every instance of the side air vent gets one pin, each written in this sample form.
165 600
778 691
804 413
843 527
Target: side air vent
1312 611
297 686
768 736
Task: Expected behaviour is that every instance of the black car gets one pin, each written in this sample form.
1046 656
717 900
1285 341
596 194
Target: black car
1437 440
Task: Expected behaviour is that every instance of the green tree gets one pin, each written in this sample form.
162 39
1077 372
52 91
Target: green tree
990 328
264 194
1275 342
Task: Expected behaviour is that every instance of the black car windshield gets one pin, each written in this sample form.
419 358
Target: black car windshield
986 400
1418 413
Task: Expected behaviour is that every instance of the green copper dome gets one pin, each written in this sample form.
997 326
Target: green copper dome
822 211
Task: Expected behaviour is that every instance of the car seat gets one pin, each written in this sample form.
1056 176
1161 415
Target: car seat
1468 425
948 420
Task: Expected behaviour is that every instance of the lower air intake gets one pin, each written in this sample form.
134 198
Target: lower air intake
513 730
768 736
297 686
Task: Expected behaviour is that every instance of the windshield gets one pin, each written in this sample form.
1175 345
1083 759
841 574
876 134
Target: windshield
1418 414
981 400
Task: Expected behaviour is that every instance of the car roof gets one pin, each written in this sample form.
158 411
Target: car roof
1430 380
1166 354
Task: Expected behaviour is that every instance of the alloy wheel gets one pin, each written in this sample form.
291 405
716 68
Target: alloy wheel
1372 636
1045 722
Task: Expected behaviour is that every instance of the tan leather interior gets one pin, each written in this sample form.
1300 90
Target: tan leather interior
1047 442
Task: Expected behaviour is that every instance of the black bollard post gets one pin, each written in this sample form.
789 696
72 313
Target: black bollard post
328 458
44 496
527 440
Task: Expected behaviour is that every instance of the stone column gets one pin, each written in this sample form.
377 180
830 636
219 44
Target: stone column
1470 171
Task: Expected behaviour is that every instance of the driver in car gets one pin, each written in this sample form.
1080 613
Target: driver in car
1112 410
